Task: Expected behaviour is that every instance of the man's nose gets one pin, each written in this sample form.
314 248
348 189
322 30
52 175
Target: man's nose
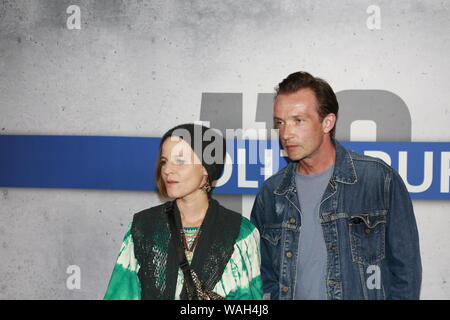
286 132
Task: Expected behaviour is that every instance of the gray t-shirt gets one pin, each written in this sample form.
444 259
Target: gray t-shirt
312 254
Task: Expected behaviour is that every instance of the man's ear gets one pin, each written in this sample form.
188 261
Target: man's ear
328 122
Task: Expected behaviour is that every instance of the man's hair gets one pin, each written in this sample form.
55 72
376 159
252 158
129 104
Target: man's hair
323 91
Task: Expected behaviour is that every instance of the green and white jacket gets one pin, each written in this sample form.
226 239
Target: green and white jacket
241 279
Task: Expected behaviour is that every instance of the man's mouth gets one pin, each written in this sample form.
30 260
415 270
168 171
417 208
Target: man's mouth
290 147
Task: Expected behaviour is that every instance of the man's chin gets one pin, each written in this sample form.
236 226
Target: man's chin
295 157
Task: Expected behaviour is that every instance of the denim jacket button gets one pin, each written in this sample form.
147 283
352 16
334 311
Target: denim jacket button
289 254
285 289
292 220
368 231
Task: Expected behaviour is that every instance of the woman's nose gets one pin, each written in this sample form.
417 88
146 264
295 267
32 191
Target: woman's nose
167 168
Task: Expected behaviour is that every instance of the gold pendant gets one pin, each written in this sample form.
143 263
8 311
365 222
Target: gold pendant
189 255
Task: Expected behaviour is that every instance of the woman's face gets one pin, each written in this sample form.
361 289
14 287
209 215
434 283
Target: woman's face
181 169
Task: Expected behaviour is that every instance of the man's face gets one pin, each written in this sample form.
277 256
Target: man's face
301 130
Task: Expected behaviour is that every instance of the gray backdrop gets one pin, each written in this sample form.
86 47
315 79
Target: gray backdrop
137 68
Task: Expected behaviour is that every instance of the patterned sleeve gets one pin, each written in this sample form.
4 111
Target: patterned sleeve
124 283
241 279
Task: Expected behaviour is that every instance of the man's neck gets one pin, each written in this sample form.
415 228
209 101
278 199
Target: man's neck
321 160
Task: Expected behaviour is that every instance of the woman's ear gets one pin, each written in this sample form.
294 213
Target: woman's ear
205 175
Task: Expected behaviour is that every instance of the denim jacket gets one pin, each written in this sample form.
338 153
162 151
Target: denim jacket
368 225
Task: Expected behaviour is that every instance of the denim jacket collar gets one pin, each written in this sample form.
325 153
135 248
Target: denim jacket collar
344 171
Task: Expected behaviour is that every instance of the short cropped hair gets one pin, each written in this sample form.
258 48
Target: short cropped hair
322 90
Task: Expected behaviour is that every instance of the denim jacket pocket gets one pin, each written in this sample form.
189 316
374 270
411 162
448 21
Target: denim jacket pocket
272 233
367 232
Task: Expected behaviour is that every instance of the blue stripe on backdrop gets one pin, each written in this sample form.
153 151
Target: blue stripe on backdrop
87 162
424 166
128 163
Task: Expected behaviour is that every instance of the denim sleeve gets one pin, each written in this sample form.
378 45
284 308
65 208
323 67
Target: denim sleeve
402 244
268 275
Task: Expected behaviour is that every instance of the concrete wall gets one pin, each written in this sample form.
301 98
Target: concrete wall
137 68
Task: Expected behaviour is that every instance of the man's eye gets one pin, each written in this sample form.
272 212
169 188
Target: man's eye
299 120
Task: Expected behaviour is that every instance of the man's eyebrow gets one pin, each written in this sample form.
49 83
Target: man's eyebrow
292 116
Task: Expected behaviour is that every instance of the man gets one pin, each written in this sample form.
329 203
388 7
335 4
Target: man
334 224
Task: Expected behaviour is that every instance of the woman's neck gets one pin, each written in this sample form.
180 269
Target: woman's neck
193 209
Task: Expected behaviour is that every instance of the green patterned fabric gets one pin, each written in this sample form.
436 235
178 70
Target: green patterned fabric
190 233
241 279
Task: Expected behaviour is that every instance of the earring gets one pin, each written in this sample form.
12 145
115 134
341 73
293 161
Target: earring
206 187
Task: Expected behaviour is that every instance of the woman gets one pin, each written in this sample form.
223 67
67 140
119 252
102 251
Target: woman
221 247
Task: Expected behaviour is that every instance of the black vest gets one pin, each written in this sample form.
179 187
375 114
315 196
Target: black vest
155 249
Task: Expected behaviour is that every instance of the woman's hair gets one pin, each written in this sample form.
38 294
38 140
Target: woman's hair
159 181
208 144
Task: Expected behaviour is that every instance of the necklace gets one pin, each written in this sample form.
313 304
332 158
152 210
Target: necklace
189 250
